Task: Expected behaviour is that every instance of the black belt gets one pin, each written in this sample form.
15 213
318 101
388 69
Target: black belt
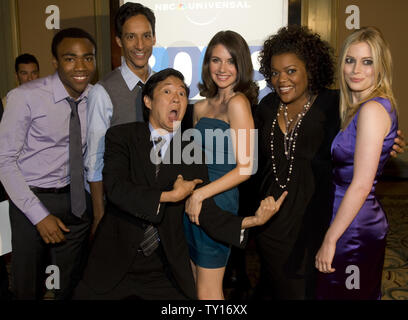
50 190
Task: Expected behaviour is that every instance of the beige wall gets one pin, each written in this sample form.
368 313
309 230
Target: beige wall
23 30
9 47
391 18
35 38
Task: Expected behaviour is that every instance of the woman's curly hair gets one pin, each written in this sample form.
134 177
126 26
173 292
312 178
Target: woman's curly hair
317 55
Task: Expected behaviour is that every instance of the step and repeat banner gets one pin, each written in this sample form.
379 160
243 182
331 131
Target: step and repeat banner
184 28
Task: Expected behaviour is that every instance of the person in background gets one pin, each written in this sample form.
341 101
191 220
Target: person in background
27 68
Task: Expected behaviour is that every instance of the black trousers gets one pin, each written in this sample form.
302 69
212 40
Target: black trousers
4 283
276 281
146 279
31 255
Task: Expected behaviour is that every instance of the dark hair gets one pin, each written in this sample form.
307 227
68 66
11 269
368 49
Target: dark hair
152 83
25 58
239 51
69 33
316 54
130 9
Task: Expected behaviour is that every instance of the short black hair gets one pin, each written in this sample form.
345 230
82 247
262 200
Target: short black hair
316 54
131 9
26 58
152 83
69 33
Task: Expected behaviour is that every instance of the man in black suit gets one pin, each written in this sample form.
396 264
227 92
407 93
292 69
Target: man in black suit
142 195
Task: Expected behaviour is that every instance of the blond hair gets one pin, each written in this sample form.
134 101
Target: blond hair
382 63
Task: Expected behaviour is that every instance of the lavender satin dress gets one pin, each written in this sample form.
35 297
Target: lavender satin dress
359 256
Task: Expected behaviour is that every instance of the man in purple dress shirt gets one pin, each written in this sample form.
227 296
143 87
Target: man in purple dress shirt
35 170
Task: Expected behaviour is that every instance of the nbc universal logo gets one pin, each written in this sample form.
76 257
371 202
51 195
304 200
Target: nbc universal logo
201 13
201 5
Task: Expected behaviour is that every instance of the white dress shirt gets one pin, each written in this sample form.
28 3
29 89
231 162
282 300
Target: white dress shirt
100 110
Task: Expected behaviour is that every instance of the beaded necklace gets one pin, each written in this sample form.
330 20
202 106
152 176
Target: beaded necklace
289 139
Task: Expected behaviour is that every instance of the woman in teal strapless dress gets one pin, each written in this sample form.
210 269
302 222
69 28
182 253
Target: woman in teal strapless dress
229 90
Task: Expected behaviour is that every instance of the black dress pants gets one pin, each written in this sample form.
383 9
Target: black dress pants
147 279
31 255
276 282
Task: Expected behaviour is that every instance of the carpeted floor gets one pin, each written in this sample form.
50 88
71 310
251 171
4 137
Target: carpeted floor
395 273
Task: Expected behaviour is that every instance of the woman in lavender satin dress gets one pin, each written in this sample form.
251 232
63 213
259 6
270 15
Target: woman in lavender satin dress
351 257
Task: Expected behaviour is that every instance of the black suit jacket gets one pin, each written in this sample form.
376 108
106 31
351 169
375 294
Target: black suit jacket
133 194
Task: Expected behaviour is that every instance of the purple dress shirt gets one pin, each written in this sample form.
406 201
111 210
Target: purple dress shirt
34 141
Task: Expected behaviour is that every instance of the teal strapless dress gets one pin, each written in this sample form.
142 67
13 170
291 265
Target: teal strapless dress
220 159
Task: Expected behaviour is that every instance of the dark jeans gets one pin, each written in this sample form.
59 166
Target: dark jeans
31 255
